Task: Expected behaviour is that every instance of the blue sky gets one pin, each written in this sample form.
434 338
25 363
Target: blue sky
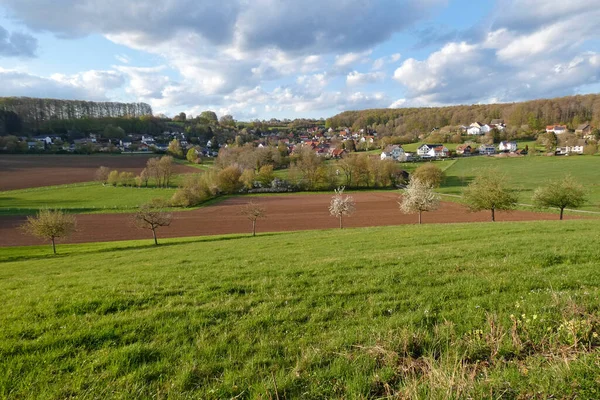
289 59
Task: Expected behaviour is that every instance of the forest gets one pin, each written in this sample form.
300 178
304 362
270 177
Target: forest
34 112
531 115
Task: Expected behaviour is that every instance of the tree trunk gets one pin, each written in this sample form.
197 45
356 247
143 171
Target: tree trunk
253 228
341 225
493 215
562 209
53 245
154 234
420 212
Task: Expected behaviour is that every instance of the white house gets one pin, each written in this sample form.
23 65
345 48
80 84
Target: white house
558 129
507 147
393 152
432 151
487 149
474 130
485 129
574 148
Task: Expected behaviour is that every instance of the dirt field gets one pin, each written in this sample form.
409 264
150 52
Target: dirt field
26 171
284 213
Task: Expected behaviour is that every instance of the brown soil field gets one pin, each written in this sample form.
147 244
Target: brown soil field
27 171
284 213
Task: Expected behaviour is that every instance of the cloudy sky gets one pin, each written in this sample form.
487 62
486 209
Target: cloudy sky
289 58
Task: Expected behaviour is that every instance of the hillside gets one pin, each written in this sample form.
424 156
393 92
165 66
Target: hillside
480 310
572 110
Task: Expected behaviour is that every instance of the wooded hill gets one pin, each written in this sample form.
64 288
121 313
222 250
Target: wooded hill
34 112
536 114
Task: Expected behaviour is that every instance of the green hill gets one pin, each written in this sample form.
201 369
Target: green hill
468 310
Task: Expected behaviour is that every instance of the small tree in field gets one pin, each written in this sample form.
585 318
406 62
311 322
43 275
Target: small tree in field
152 216
102 175
418 197
113 178
341 206
253 211
50 225
489 192
430 174
563 194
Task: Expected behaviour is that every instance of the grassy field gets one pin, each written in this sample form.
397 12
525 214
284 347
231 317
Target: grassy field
528 173
505 310
78 198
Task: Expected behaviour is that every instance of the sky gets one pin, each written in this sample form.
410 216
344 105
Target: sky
291 59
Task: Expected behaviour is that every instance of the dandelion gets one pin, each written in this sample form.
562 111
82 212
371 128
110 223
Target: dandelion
534 316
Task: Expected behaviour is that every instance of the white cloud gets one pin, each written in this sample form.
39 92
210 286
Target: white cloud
356 78
89 85
383 61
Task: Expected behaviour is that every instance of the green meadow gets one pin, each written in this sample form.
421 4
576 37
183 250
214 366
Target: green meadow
525 174
89 197
503 310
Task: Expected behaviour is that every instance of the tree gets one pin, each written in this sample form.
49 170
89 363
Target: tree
152 216
488 191
563 194
590 149
548 140
265 175
181 117
192 156
227 120
102 175
165 169
341 205
418 197
429 174
50 225
253 211
113 132
175 149
210 116
113 178
228 179
247 178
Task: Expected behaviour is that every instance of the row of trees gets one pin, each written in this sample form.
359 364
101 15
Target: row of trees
34 110
487 192
536 114
159 170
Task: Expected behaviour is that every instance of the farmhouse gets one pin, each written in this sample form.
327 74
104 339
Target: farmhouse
393 152
575 147
507 147
487 149
558 129
584 130
432 151
464 150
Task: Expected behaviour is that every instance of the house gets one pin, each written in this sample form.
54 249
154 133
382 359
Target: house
497 122
337 153
487 149
367 139
474 130
393 152
486 128
558 129
432 151
584 130
572 148
507 147
464 149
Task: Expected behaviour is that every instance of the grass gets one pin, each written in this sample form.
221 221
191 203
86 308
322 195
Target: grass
78 198
504 310
528 173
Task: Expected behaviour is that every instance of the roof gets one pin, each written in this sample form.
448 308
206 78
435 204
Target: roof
497 121
582 127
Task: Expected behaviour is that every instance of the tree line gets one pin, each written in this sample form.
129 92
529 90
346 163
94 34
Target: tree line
35 110
534 114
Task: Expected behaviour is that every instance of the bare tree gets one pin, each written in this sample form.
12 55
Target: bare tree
50 225
341 205
102 175
152 216
253 211
165 166
563 194
418 197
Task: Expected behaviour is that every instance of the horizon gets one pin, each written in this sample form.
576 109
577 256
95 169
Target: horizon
280 60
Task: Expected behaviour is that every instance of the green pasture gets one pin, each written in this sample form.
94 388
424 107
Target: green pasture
503 310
